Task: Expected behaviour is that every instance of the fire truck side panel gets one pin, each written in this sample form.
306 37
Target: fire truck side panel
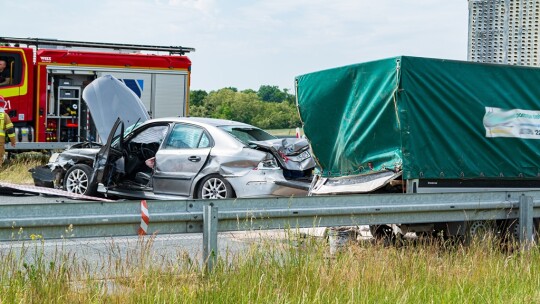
167 85
139 72
41 100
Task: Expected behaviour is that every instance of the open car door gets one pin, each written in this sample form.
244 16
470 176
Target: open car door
109 160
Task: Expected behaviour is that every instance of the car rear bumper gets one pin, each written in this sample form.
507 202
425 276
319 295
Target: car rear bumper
265 183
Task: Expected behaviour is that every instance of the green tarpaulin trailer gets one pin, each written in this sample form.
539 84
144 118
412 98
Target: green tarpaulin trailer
422 124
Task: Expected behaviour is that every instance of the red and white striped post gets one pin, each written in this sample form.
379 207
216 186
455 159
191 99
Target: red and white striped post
145 218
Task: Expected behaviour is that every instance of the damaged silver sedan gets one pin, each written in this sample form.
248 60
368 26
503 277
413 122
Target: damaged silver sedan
201 158
193 157
174 157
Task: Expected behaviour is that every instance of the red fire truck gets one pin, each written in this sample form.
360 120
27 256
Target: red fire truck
44 79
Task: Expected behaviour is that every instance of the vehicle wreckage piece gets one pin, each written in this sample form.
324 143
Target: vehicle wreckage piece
292 153
16 188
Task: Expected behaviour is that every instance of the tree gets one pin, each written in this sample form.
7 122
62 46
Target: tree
249 91
197 111
246 106
271 94
290 98
196 97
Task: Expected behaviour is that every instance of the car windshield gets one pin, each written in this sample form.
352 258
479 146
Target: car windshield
246 134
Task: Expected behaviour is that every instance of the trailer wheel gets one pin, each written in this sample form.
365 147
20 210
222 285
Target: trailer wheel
511 231
77 180
382 233
480 230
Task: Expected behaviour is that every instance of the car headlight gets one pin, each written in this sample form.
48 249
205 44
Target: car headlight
53 158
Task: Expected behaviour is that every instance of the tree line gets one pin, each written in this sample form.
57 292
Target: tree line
267 108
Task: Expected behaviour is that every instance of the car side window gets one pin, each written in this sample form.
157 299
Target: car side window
151 135
187 137
205 141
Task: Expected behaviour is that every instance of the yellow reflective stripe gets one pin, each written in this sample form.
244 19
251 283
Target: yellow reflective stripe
11 135
2 122
9 125
2 133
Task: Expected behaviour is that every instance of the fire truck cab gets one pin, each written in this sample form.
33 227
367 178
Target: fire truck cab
43 82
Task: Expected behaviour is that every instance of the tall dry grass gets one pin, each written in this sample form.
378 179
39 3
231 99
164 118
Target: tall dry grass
273 272
15 169
425 271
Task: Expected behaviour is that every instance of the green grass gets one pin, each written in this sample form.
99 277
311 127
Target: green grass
272 272
430 272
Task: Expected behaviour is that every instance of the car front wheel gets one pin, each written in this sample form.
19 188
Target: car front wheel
77 180
215 187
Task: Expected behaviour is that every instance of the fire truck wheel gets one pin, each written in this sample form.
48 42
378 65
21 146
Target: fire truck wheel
77 180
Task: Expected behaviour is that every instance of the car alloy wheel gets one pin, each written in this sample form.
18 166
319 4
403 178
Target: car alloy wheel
77 180
215 187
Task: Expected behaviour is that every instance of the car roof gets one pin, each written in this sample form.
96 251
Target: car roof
203 121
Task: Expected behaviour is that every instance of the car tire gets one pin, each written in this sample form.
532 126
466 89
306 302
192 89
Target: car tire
78 180
215 187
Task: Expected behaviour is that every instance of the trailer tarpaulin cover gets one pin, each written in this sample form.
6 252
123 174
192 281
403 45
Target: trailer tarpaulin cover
430 118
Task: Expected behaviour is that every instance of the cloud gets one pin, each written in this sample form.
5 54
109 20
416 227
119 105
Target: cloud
248 43
205 6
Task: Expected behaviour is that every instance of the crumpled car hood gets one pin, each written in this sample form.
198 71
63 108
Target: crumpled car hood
292 153
108 98
365 183
72 156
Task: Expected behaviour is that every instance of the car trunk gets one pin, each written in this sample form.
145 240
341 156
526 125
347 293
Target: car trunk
293 157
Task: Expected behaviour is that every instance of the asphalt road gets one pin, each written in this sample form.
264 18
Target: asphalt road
99 256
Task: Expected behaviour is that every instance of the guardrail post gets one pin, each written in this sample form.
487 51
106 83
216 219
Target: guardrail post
526 236
210 222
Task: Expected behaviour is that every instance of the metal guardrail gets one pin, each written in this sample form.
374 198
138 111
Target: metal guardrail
123 218
39 146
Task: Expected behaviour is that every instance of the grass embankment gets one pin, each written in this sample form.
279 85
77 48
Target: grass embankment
273 273
15 170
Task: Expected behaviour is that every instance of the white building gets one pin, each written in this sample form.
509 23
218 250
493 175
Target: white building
504 31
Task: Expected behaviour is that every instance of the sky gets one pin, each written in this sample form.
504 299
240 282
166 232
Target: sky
246 44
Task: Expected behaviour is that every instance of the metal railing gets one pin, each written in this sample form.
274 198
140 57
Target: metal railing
123 218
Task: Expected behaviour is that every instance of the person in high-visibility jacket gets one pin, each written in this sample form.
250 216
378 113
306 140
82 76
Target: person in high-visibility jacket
6 129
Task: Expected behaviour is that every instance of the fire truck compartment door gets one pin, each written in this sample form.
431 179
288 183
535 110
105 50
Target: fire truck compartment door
109 99
164 94
170 94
